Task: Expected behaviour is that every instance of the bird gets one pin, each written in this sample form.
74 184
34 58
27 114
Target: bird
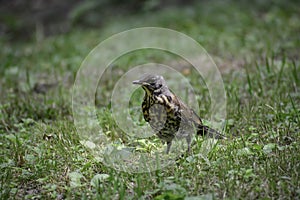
168 115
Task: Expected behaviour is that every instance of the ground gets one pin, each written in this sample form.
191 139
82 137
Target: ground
256 47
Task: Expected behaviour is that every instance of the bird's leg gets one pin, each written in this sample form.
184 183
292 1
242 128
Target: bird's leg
168 146
189 140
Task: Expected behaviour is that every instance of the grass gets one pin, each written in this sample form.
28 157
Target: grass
41 153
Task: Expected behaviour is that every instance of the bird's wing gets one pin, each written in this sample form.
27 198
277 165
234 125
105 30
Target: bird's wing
187 113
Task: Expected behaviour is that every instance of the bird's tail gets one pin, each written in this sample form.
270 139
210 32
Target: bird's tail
207 131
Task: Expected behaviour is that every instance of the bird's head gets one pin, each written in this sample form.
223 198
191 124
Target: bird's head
151 83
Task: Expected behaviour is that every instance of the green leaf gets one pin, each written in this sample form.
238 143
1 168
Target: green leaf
244 152
98 178
201 197
169 196
88 144
75 179
268 148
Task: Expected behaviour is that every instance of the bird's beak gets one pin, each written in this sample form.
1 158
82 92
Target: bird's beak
138 82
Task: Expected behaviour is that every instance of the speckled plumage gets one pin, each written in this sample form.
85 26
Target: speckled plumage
168 116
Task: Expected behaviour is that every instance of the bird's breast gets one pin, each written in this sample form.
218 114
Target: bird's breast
160 113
